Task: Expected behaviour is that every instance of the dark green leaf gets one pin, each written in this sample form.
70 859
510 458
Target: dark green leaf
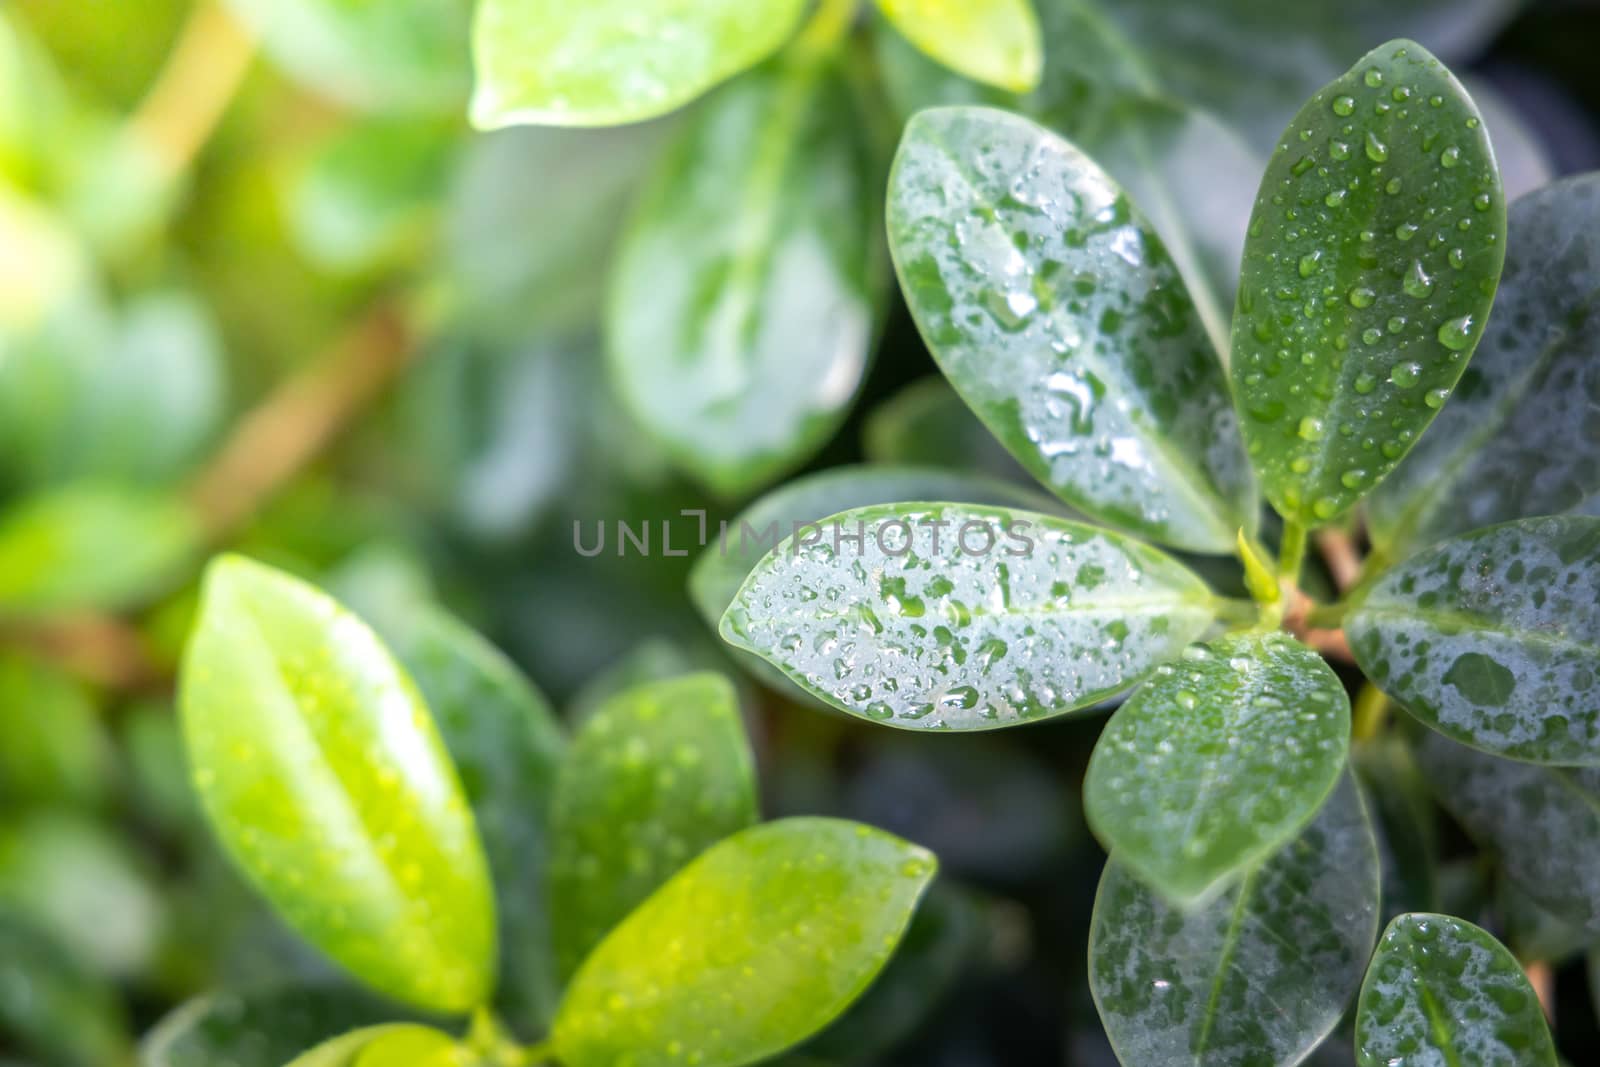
1404 819
1058 315
1533 933
1440 990
961 617
259 1029
1256 978
794 917
1373 254
654 777
1520 436
1492 638
993 41
325 777
609 62
55 748
742 303
53 1007
1216 761
927 424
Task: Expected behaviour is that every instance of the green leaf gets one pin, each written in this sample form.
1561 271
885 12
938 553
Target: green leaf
507 746
91 547
794 917
1492 638
655 776
1441 990
1258 976
258 1029
608 62
1056 312
993 41
1373 254
1404 818
1533 933
1518 438
56 750
392 1045
1216 761
743 299
1542 822
962 617
322 772
52 1007
927 424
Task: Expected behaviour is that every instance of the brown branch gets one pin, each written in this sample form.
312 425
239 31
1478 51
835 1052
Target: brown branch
96 648
1543 980
1339 553
204 70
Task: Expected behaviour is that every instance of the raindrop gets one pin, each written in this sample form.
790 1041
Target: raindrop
1326 507
1344 105
1366 383
1456 335
1450 157
1362 297
1405 375
1392 187
1436 398
1377 151
1406 231
1311 429
1309 263
1335 198
1374 77
1417 283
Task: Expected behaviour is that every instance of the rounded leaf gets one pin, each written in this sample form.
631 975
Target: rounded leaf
963 617
322 772
750 949
392 1045
1372 258
992 41
1441 990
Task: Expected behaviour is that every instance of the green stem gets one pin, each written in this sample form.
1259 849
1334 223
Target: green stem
1370 713
1327 616
1292 551
1234 609
828 26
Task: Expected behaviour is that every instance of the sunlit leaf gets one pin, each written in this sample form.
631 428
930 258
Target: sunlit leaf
962 617
794 917
258 1029
1492 638
1372 260
56 750
993 41
1058 315
1216 761
392 1045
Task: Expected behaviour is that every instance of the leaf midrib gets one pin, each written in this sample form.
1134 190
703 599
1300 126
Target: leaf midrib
1457 623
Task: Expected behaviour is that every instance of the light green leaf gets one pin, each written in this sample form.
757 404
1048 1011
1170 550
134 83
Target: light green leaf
1216 761
1441 990
962 617
258 1029
1056 312
1492 638
322 772
1542 822
91 546
1519 437
795 916
608 62
1372 260
742 302
993 41
655 776
56 749
391 1045
1258 976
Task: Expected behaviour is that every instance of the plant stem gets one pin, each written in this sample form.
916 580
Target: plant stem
1234 609
1370 713
1291 552
1327 616
190 95
1338 550
828 26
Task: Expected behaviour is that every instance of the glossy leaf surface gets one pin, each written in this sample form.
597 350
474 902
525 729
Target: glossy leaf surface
795 917
1056 312
1492 638
742 301
657 774
608 62
1441 990
1257 977
1374 250
962 617
301 727
993 41
1217 760
1519 437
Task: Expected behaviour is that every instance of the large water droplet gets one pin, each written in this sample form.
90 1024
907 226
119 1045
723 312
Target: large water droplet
1417 282
1377 151
1310 429
1405 375
1450 157
1344 105
1456 334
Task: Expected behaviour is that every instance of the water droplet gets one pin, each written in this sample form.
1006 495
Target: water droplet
1338 150
1335 198
1436 100
1344 105
1371 335
1309 263
1482 202
1405 375
1417 283
1325 508
1392 186
1436 398
1365 383
1405 231
1400 94
1450 157
1311 429
1300 465
1362 297
1396 324
1373 78
1352 478
1456 335
1186 699
1457 258
1377 151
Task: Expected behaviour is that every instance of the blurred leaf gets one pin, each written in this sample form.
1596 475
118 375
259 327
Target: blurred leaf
1519 437
610 62
52 1006
1261 974
392 1045
657 775
796 916
1492 638
654 660
1072 337
1035 618
1357 310
1532 933
55 751
1441 989
1404 819
927 424
1216 761
1523 156
91 546
741 310
257 1029
993 41
42 264
301 727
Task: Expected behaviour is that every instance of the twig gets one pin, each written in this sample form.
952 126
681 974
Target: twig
1339 553
1331 643
96 648
204 70
1543 980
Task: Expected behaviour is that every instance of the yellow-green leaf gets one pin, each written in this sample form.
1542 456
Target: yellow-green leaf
993 41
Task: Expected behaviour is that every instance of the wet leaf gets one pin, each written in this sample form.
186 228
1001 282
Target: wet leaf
1216 761
1441 990
963 617
796 916
1492 638
655 776
993 41
1258 976
1519 437
1057 314
609 62
258 1029
743 298
301 727
1373 254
